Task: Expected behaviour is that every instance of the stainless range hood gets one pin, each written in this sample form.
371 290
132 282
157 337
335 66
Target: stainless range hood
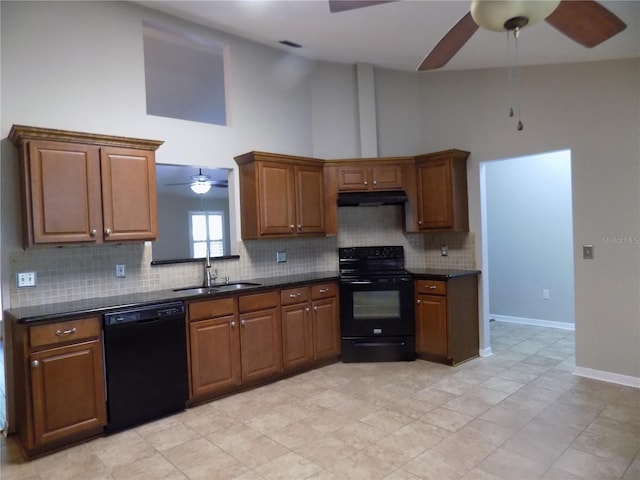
354 199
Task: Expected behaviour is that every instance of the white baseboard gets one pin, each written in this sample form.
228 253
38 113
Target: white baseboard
486 352
610 377
533 321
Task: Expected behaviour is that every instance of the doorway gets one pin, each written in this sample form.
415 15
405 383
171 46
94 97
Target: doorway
527 242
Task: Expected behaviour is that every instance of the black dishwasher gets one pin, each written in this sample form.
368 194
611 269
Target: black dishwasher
145 351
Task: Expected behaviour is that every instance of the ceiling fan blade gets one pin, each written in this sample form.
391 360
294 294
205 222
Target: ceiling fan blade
586 22
336 6
450 44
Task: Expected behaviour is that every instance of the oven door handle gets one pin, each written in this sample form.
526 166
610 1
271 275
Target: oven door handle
359 282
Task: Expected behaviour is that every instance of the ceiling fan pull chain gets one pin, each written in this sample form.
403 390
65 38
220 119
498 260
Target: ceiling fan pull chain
516 34
509 74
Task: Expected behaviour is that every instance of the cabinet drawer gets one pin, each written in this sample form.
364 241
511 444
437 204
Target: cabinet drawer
211 308
323 290
257 301
62 332
433 287
292 296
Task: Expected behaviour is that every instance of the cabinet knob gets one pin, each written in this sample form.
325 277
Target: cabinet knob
375 182
315 308
233 324
299 227
419 222
307 310
243 322
291 227
107 232
35 363
432 287
366 183
418 302
323 290
93 232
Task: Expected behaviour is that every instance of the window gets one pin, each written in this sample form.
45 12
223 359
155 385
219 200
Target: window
206 227
184 75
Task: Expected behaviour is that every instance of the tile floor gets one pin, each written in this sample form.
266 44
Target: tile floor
519 414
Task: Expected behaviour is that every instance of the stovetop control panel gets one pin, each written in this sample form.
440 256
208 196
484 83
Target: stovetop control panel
371 253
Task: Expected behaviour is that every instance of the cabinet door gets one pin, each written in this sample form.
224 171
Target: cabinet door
276 198
326 328
215 355
68 391
353 178
297 346
387 177
260 344
129 194
64 181
431 325
435 207
309 199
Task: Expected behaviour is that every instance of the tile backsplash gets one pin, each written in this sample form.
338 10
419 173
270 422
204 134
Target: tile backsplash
75 273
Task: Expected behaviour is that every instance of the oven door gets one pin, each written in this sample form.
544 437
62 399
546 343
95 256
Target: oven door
376 307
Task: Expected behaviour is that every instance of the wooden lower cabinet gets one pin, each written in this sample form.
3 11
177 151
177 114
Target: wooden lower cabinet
326 326
297 329
59 383
215 355
260 344
447 328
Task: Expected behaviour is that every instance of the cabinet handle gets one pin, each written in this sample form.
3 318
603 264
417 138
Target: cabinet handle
35 363
233 324
107 232
93 232
323 290
432 287
418 302
66 332
243 322
294 295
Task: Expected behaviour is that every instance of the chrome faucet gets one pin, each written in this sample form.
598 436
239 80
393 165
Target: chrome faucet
209 279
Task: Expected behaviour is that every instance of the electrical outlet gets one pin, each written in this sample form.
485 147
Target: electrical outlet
120 270
281 257
545 294
444 250
587 252
26 279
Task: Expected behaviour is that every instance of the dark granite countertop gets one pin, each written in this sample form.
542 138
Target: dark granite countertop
100 305
440 273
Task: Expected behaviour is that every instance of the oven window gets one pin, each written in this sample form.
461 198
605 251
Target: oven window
376 304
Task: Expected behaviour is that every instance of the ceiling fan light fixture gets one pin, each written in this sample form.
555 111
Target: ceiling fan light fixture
501 15
200 187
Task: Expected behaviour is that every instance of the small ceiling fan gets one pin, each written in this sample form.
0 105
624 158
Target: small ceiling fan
201 184
584 21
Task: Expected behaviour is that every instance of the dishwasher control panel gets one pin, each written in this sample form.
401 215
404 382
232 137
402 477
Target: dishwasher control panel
149 312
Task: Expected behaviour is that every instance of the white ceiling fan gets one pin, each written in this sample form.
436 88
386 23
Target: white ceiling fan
201 183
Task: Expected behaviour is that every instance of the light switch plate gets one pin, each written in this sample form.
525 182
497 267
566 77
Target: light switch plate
587 252
26 279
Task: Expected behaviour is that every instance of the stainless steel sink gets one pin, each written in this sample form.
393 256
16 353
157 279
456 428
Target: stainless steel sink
221 287
196 290
225 287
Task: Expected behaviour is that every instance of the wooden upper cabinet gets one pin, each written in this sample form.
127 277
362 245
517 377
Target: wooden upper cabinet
280 195
129 202
354 177
442 191
85 188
